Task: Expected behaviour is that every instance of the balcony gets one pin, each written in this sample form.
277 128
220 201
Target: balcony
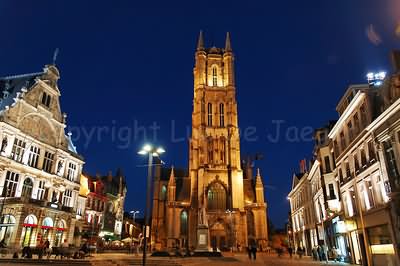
39 203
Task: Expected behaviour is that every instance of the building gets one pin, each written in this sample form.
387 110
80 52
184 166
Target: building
39 165
302 210
213 205
104 208
357 200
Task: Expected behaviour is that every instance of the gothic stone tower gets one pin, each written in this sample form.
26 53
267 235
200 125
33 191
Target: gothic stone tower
214 204
232 208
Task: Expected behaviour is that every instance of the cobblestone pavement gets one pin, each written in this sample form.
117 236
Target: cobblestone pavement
228 259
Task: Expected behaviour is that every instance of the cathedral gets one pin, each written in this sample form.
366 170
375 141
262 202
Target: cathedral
217 204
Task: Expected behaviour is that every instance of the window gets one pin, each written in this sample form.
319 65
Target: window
210 149
216 197
363 158
184 223
209 109
391 162
33 156
18 150
348 173
48 161
27 188
371 151
350 129
163 195
356 164
67 198
251 230
363 116
41 190
10 184
342 141
356 123
327 164
46 99
331 192
336 148
221 115
71 171
214 76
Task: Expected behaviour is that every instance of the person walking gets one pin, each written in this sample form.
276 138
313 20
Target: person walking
249 251
254 251
290 251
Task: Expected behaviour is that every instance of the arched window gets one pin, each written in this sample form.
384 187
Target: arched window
251 230
29 223
221 115
163 195
214 76
27 188
216 197
184 223
209 116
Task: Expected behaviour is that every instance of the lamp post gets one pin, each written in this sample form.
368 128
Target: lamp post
151 152
232 229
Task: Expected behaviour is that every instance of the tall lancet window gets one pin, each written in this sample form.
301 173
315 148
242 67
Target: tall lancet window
214 76
210 149
221 115
209 116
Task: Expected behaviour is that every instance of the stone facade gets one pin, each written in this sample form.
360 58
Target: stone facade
39 165
213 205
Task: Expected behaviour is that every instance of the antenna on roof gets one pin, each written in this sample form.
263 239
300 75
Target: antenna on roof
55 55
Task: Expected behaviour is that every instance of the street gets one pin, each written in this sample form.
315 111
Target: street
227 259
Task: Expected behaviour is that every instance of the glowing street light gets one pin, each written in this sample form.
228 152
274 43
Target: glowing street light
151 152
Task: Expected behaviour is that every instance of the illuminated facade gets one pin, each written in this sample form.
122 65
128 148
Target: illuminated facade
214 205
39 165
357 205
104 208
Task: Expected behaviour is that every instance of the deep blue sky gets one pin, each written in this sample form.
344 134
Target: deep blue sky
127 61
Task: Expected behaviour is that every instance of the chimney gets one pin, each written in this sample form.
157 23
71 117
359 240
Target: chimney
396 60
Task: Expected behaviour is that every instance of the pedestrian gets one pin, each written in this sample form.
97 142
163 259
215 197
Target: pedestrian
254 251
319 251
300 252
64 244
290 251
249 251
334 254
40 248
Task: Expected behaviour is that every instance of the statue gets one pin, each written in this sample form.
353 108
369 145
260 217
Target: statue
59 166
4 144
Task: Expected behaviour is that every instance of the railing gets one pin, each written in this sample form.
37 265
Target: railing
41 203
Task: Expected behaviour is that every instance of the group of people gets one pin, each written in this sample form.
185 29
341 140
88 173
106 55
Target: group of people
300 252
319 253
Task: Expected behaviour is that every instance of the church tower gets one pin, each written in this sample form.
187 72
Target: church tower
213 205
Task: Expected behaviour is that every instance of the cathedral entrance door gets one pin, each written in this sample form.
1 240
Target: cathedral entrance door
218 236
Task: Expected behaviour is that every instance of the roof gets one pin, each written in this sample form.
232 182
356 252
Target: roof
12 87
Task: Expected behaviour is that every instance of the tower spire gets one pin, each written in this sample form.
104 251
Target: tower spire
171 181
200 42
228 47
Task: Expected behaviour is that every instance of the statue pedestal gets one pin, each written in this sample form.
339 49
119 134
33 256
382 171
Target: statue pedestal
202 239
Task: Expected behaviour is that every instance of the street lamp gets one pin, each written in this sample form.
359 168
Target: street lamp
151 152
232 230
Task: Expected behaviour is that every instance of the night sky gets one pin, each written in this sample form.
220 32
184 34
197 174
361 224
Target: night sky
127 66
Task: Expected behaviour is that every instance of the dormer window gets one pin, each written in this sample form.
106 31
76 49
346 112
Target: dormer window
46 99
